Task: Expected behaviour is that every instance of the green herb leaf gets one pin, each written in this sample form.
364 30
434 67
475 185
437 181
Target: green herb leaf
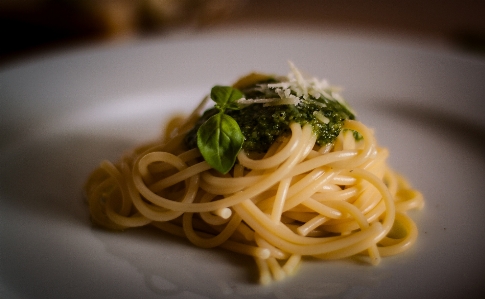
226 97
219 140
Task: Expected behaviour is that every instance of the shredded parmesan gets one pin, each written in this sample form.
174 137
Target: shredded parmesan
244 101
284 101
319 115
295 90
316 103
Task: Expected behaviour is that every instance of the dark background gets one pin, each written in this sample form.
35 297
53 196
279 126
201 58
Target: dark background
32 26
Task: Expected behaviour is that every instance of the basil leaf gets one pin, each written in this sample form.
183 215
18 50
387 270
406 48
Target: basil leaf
226 97
219 140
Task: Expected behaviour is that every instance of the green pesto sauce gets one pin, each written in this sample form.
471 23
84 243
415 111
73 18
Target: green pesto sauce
261 126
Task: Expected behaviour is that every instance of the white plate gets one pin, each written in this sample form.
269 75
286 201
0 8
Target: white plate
62 114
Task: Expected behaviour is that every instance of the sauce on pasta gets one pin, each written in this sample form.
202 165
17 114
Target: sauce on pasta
297 198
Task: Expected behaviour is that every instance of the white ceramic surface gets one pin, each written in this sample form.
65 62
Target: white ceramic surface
61 114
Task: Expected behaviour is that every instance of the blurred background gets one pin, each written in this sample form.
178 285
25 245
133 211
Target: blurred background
32 26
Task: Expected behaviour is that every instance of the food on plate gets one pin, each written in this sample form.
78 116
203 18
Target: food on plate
278 169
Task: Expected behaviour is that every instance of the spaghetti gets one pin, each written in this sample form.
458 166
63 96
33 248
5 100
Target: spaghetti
300 199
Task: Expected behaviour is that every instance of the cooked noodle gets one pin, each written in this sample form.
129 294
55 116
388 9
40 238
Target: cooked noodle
293 202
298 200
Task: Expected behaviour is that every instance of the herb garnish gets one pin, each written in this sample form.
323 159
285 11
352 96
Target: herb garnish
220 139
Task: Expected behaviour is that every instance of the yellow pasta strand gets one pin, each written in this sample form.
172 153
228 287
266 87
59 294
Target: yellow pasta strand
298 200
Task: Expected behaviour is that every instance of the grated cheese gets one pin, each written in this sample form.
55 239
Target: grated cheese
295 90
318 115
283 101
